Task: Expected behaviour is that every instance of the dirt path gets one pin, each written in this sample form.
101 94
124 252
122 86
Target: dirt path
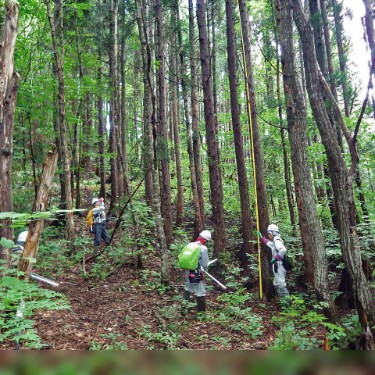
125 313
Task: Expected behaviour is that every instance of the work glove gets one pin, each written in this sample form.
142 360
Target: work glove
264 240
275 258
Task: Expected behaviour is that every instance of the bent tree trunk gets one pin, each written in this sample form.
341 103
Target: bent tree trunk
8 90
311 232
342 179
40 205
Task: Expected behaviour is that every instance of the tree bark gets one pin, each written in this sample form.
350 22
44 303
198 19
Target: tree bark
40 205
216 185
9 79
114 106
342 179
147 101
55 22
175 79
316 271
200 221
151 135
163 152
262 217
337 9
243 184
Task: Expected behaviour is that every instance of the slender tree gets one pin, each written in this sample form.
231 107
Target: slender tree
243 184
262 218
58 48
316 271
163 152
9 79
342 178
216 184
147 100
337 13
196 151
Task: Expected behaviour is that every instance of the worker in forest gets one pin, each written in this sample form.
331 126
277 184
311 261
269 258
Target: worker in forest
276 244
99 222
19 246
194 278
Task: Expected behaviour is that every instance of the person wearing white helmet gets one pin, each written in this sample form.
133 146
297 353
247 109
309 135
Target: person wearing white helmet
17 249
99 222
276 244
194 281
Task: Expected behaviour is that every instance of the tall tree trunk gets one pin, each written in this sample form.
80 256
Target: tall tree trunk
56 27
342 179
262 218
123 122
101 132
216 185
211 16
321 58
339 30
9 79
147 101
316 271
163 153
243 184
175 79
287 176
194 122
151 152
114 110
40 205
331 73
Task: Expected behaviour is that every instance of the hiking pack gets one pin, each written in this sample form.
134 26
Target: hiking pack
188 258
287 263
89 221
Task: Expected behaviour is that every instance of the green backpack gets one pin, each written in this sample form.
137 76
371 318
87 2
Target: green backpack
189 256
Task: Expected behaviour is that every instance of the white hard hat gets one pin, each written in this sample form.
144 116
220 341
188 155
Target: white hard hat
206 234
22 236
95 200
273 228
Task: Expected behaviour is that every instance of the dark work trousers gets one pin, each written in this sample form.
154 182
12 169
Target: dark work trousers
101 233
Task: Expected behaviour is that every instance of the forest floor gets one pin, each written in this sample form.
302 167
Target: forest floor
123 313
130 311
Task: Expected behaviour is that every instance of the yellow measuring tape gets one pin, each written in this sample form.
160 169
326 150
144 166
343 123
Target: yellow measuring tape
253 160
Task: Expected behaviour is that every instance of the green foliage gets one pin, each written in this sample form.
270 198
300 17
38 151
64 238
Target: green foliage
168 339
297 322
114 343
18 300
235 313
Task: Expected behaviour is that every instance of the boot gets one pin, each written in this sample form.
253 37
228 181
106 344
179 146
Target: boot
96 249
186 295
201 304
185 302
